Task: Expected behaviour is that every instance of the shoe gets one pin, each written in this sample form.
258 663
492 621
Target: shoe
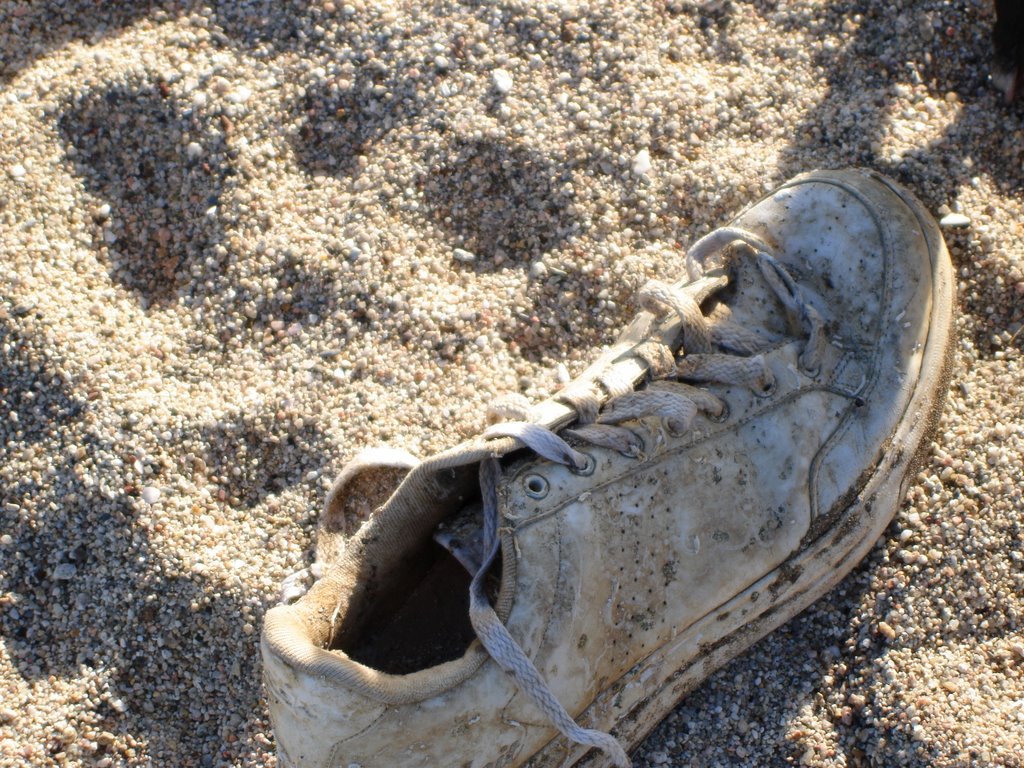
549 590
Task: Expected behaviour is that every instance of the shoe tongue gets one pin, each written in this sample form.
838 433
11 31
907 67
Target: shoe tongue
463 536
749 301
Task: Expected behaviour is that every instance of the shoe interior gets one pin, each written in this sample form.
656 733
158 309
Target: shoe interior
417 614
419 620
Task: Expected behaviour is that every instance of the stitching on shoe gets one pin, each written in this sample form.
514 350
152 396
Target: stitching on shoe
872 372
336 757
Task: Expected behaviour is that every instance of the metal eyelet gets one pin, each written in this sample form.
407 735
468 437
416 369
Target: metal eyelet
768 389
536 486
721 417
808 371
589 465
670 431
636 451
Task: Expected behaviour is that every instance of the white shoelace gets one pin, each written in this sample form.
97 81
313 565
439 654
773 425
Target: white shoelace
722 353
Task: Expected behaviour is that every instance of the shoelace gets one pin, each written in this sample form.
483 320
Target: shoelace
675 403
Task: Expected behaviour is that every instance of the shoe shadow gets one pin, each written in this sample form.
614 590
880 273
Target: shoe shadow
950 55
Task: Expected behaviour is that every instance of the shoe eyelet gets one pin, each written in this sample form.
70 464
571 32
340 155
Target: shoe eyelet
536 486
811 373
721 417
672 431
767 390
589 464
637 451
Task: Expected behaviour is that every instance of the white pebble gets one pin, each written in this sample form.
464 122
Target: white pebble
240 95
642 162
193 150
464 256
502 79
954 220
538 270
150 494
17 171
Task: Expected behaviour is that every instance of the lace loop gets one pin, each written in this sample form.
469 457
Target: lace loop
580 395
676 409
801 313
508 407
658 297
540 440
750 372
621 439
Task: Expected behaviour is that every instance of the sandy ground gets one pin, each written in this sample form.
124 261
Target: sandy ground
238 241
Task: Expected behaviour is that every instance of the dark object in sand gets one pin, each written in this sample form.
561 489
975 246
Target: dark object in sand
1008 39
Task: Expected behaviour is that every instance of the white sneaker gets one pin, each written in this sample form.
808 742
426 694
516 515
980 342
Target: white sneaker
577 568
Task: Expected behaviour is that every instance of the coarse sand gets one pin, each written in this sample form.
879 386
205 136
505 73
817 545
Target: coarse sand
241 240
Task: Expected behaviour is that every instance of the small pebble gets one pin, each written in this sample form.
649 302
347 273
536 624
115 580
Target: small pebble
954 220
464 256
239 95
150 494
502 80
65 571
17 171
641 163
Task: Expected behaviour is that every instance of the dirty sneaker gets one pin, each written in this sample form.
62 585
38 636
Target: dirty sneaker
553 587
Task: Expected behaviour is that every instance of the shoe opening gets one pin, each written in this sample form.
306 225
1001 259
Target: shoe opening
418 614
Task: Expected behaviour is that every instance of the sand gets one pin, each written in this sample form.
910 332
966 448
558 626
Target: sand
240 241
